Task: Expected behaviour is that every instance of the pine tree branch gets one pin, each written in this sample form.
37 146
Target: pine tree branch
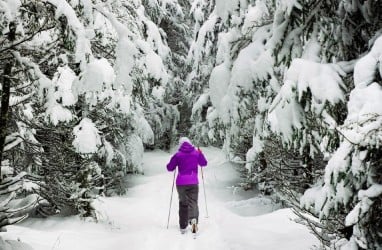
30 37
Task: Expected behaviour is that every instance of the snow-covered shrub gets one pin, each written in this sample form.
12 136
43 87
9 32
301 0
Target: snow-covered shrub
89 185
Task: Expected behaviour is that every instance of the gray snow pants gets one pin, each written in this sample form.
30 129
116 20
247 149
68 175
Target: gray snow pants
188 204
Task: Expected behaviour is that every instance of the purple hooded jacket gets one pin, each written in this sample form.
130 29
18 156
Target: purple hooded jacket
187 160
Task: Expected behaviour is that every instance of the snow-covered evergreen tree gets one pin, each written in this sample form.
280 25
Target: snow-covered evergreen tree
285 87
163 107
13 207
274 82
316 86
96 74
351 188
239 43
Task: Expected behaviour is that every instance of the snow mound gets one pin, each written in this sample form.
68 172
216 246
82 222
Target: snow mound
13 245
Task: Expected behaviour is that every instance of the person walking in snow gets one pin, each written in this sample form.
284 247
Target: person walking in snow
187 160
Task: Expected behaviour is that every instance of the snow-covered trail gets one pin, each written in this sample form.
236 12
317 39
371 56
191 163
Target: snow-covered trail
138 220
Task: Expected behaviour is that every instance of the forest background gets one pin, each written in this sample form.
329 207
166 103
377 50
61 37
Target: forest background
290 90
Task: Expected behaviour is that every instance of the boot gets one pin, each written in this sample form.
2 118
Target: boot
194 226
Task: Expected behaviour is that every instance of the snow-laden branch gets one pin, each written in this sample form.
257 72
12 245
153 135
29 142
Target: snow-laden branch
16 100
13 144
125 51
286 112
83 47
43 80
5 200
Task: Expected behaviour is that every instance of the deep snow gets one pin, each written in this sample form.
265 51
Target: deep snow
137 221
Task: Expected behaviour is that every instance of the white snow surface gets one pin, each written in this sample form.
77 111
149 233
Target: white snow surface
238 220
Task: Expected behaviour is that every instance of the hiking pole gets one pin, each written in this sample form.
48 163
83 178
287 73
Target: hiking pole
172 191
204 190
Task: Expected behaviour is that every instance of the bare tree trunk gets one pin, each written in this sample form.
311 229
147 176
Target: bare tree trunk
4 108
5 95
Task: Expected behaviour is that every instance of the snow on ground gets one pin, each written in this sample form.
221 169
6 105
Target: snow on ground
137 221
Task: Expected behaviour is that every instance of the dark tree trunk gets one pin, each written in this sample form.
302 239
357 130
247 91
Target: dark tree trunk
4 108
5 95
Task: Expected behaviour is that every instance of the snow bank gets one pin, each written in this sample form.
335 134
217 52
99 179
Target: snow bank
252 207
13 245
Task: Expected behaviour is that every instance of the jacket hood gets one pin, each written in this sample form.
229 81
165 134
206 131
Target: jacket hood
186 147
184 139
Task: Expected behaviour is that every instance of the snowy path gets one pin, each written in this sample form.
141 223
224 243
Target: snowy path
138 220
